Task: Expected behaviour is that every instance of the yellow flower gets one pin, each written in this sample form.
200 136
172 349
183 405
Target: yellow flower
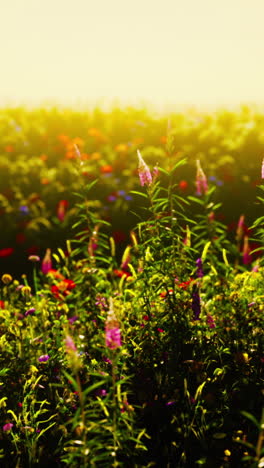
6 278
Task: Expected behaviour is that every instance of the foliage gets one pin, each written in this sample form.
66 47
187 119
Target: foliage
151 358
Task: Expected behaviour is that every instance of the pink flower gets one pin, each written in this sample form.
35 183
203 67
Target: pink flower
61 209
113 337
210 321
7 427
112 330
69 344
201 180
144 173
246 252
46 265
240 227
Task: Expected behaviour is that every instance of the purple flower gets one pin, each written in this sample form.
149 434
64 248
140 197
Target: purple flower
44 358
199 271
144 173
101 392
196 304
7 427
24 209
201 181
73 319
210 321
30 311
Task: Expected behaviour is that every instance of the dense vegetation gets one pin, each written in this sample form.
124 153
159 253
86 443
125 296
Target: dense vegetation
136 338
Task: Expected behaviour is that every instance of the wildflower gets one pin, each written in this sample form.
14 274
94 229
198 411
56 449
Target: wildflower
145 176
26 291
46 265
240 228
106 169
6 252
262 169
121 148
255 267
199 271
126 258
72 353
112 330
61 209
24 209
63 288
187 239
183 184
30 311
210 321
101 392
44 358
211 217
73 319
121 273
246 252
34 258
7 427
155 173
6 278
2 305
113 337
69 344
201 181
196 303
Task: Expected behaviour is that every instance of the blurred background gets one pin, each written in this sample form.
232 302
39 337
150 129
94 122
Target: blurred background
111 77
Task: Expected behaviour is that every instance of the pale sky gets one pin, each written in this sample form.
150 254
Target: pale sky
194 52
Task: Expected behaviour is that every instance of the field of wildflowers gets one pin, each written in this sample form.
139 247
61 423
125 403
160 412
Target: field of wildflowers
131 299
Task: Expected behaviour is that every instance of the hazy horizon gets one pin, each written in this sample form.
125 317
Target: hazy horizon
163 54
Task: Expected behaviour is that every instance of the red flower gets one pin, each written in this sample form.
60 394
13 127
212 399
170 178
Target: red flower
106 169
63 288
2 305
121 273
183 184
6 252
61 209
165 293
185 284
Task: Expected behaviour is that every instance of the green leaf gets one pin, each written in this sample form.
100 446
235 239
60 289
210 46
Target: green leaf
225 257
205 250
139 193
178 164
163 171
196 200
251 418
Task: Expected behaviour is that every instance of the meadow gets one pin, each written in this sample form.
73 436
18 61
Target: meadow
131 297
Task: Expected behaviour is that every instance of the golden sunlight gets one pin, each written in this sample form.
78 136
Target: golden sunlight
203 53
